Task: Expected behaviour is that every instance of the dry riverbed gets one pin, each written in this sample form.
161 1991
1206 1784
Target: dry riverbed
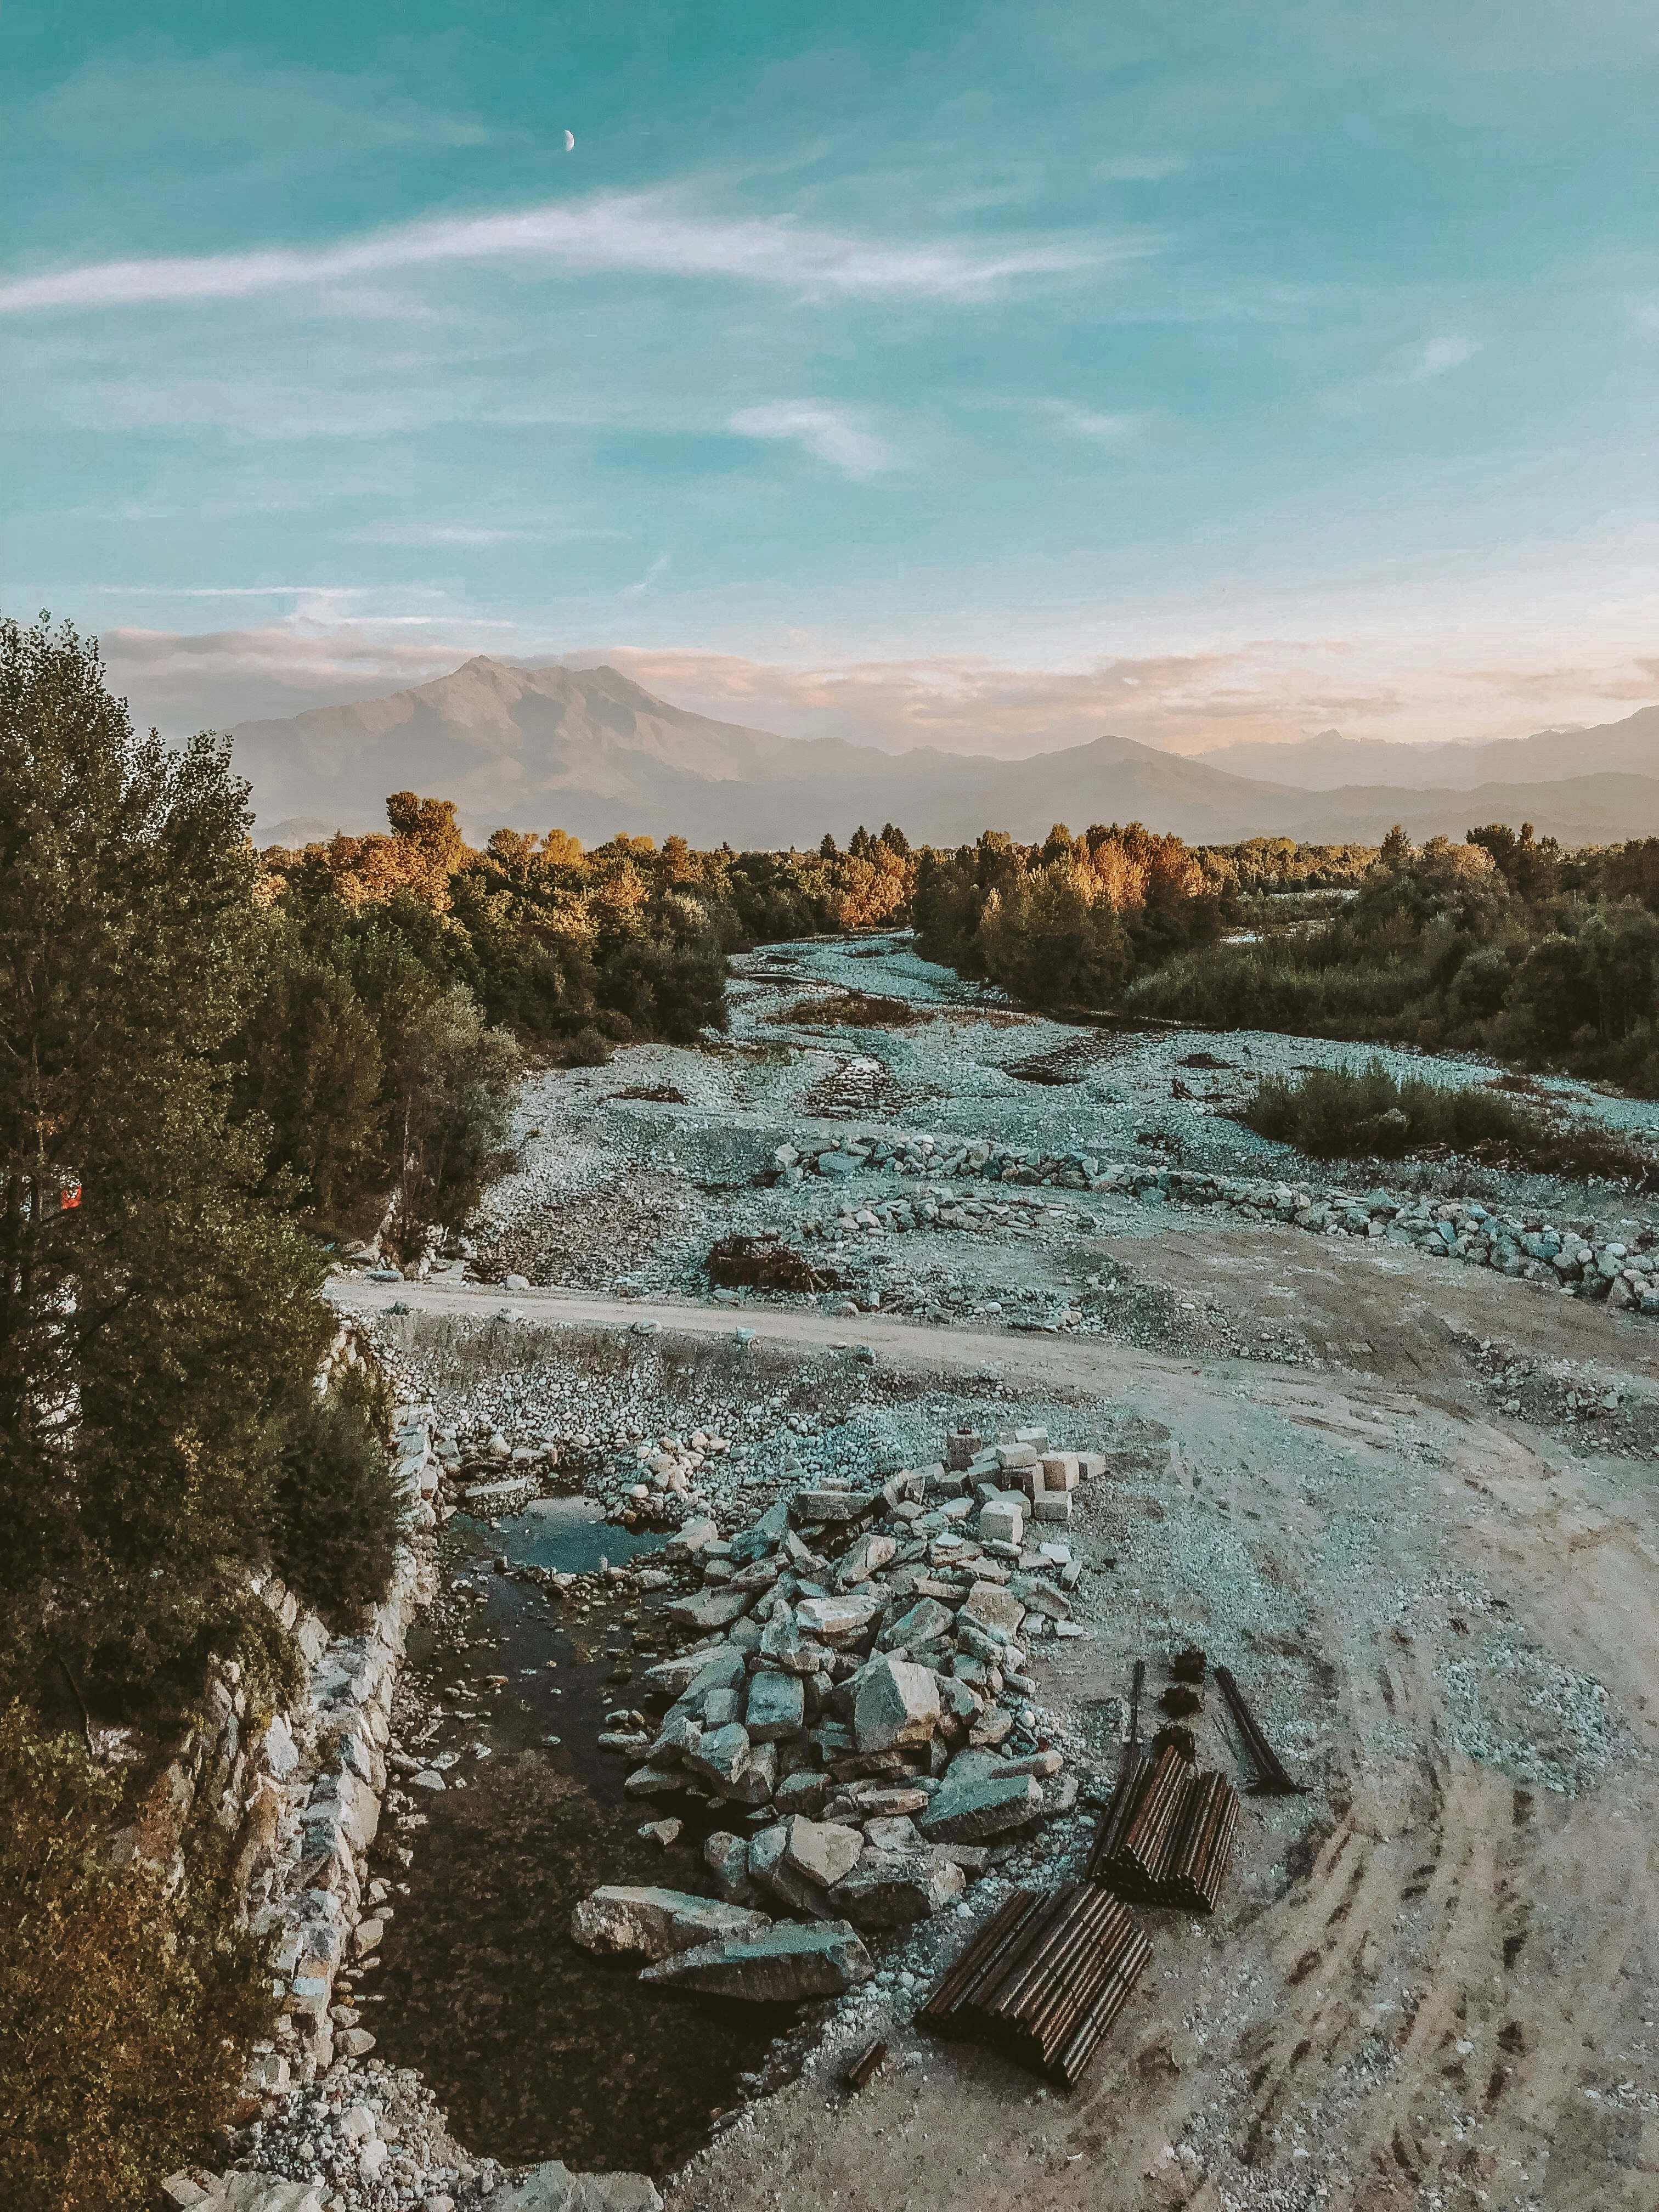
1409 1502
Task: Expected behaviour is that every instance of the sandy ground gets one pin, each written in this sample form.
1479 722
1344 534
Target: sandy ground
1431 1980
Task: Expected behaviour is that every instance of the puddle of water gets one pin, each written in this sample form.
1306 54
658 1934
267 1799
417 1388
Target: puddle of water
538 2049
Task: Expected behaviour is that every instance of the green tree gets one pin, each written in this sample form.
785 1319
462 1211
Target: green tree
451 1081
149 1333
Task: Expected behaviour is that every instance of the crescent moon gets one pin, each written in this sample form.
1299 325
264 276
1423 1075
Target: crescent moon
569 142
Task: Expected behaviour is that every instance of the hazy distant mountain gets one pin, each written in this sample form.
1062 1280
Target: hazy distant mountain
1330 761
590 752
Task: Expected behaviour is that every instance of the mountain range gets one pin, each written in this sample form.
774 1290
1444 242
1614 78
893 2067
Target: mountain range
590 752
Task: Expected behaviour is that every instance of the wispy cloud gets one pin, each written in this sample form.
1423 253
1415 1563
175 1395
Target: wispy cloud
1087 422
1438 356
651 234
471 534
837 435
658 567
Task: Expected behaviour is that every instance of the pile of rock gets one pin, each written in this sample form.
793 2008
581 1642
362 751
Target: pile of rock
860 1695
1625 1275
369 2139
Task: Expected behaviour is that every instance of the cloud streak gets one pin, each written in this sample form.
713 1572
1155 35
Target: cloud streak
1439 357
836 435
644 234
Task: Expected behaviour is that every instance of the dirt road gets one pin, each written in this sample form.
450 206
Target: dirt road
1430 1983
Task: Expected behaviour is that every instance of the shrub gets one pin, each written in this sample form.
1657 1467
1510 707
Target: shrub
124 2018
335 1525
1364 1113
588 1049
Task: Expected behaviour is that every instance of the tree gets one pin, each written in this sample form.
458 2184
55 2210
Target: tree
451 1082
149 1333
123 2017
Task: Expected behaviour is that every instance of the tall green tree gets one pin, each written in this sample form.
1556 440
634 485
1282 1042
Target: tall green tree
151 1333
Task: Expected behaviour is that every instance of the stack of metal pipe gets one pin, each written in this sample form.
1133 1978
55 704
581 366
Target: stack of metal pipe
1167 1833
1045 1978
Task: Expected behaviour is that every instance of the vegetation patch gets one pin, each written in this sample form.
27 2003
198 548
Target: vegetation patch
763 1263
1349 1113
855 1010
124 2012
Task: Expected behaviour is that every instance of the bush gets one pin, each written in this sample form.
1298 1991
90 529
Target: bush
588 1049
1347 1113
335 1527
123 2021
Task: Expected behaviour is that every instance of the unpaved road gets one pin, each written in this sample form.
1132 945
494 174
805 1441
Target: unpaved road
1433 1981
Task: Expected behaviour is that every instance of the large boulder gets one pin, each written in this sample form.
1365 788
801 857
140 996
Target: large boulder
657 1922
896 1703
781 1966
553 2188
891 1889
968 1809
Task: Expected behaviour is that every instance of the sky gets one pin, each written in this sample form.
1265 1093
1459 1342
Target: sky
983 376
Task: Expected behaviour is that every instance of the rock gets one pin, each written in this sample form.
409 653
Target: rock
896 1703
804 1792
965 1811
776 1707
690 1538
354 2042
366 1936
727 1857
263 2192
552 2187
994 1610
1002 1519
517 1283
808 1506
891 1890
927 1621
780 1967
836 1620
892 1832
820 1851
867 1557
709 1608
1053 1507
782 1642
838 1164
653 1781
738 1769
657 1922
178 2193
663 1831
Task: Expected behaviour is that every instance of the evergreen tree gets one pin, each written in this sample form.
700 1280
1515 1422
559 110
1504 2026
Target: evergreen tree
154 1320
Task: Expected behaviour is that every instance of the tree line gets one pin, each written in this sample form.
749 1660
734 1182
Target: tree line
1505 943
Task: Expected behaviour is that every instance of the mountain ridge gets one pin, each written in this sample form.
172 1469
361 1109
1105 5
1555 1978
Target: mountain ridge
591 752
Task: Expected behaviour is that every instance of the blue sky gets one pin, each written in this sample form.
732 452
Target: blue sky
988 376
